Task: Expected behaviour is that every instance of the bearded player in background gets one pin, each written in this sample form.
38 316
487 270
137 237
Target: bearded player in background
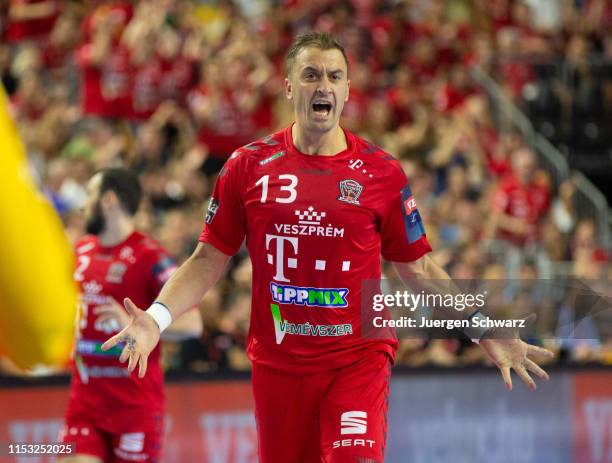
318 207
113 415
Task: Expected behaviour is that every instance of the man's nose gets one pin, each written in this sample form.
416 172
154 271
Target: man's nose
324 86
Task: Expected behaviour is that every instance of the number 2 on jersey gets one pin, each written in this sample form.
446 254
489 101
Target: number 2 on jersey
82 266
293 181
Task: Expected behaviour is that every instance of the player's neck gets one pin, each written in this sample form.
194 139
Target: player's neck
116 231
317 143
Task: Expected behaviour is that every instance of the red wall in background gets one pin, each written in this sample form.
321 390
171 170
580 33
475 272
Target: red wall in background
593 417
207 422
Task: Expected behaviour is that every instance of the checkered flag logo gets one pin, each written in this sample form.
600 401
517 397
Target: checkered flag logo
309 216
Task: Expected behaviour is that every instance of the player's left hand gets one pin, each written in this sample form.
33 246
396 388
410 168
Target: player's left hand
140 336
510 352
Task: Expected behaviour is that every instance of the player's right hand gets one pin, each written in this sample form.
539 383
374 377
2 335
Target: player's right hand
140 336
506 349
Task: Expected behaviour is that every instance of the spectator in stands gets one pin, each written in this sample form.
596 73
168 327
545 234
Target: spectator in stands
520 201
105 63
519 205
588 256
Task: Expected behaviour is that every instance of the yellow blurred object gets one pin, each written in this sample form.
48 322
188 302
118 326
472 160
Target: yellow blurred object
213 22
37 294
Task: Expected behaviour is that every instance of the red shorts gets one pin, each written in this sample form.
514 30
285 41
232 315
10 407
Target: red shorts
137 439
334 417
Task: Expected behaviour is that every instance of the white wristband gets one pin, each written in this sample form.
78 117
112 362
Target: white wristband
476 333
161 315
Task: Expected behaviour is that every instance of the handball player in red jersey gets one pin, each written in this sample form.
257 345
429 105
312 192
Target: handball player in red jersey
318 207
112 415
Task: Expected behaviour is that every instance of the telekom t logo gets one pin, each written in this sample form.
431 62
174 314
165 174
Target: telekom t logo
357 164
279 260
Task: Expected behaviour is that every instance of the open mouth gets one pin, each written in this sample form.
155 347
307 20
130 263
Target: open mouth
322 108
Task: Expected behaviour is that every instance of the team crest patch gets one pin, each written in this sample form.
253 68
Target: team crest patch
116 272
350 190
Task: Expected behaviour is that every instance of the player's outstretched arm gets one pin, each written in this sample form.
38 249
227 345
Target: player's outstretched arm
182 291
506 349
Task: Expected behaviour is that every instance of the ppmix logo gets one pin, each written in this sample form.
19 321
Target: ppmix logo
334 298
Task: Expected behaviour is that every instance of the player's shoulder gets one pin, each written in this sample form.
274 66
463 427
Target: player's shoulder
143 243
86 244
378 158
151 255
258 151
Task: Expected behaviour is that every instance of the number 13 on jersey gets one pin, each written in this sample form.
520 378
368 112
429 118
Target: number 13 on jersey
289 189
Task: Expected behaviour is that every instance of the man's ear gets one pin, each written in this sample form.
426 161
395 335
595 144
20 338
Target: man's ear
288 89
348 87
108 199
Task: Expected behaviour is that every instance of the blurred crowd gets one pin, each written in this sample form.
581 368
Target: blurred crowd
170 88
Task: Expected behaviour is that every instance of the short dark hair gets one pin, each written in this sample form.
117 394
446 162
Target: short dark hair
322 40
125 184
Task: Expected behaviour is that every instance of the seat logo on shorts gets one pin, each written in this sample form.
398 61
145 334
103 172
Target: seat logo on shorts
353 422
132 442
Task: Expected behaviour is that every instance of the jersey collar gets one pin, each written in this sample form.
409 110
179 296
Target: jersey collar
291 148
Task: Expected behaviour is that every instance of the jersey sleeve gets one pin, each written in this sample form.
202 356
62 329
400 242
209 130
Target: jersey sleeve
225 223
402 231
160 267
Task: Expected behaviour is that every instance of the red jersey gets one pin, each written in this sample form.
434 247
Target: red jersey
449 98
229 129
527 202
401 101
177 78
315 228
517 74
39 28
107 88
146 93
136 268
